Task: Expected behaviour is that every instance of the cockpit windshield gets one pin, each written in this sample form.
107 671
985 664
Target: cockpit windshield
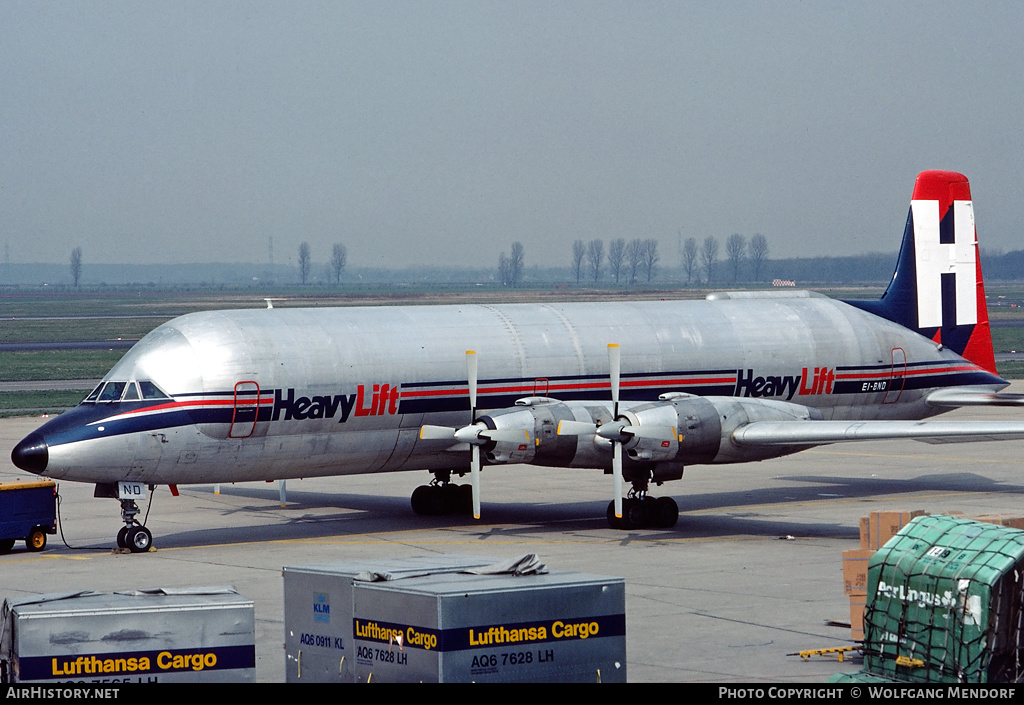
110 392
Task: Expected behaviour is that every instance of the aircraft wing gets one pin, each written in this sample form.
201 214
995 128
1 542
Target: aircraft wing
964 396
810 433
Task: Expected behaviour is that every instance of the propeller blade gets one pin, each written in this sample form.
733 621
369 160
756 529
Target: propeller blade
617 478
506 435
655 433
477 434
474 475
614 368
576 428
474 466
436 433
614 360
471 376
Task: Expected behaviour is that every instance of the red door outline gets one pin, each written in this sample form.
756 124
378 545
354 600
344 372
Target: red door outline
246 409
897 377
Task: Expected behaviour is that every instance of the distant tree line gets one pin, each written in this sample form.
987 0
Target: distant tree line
76 265
339 259
624 260
510 267
742 257
638 259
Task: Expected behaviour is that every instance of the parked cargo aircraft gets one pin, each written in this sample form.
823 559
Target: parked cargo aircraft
636 389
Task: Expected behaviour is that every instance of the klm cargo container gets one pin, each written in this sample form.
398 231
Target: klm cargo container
945 600
318 602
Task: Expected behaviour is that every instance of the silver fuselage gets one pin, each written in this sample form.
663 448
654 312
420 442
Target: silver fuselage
268 394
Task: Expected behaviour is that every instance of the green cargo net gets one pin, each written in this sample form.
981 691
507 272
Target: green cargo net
945 603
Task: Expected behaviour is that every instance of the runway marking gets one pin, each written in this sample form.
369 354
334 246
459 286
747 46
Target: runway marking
22 558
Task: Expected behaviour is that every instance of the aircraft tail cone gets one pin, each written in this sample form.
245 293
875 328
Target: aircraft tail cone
31 454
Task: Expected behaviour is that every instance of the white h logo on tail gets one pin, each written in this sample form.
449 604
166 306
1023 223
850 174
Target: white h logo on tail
933 259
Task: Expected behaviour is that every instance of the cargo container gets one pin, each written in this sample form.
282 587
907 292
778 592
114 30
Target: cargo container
945 604
318 610
559 627
204 634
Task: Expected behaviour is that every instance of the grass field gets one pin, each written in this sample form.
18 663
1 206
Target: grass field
56 364
69 329
44 402
34 316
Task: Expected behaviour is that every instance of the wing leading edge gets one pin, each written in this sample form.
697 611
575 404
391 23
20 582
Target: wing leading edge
812 433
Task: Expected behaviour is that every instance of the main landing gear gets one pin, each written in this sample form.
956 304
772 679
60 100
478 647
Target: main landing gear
133 535
442 497
641 511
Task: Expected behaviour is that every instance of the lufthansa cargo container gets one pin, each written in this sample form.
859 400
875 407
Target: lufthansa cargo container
318 610
147 636
456 628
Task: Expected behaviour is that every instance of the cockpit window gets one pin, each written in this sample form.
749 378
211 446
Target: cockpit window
110 392
151 391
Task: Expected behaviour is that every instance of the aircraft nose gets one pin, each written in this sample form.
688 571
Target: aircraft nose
31 454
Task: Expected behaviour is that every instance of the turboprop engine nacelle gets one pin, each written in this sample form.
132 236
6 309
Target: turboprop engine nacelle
663 435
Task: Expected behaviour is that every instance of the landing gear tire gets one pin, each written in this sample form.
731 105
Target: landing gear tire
665 513
36 540
614 521
636 514
426 501
437 500
465 499
647 513
138 539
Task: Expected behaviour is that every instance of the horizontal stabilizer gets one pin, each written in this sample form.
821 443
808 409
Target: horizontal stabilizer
964 396
810 433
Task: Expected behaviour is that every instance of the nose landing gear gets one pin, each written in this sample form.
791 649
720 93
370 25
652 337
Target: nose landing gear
133 535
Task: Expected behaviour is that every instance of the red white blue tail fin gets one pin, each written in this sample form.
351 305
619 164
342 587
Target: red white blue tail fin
937 288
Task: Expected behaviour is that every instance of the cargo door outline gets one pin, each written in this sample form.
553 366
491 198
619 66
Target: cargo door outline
897 377
245 410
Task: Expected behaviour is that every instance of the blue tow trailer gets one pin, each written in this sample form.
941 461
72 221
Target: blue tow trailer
28 512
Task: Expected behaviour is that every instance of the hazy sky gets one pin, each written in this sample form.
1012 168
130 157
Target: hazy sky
440 132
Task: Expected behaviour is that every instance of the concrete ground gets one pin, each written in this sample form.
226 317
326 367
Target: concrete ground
750 575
